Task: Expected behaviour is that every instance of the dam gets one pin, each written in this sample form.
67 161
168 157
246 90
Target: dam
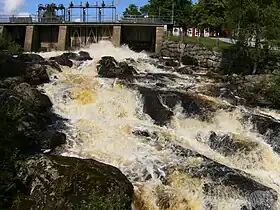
61 30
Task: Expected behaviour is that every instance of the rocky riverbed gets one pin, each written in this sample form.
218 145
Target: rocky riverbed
115 129
32 176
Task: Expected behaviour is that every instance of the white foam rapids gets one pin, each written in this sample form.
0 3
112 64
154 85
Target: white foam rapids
103 115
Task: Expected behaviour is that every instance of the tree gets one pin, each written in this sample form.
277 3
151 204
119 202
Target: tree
210 14
257 26
163 8
132 10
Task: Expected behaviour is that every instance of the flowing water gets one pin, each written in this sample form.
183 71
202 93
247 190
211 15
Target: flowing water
104 116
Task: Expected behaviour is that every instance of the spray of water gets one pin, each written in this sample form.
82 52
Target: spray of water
103 116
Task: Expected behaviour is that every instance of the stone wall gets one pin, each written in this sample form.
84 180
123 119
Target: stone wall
192 54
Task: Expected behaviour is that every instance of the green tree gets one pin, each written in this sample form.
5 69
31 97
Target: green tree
210 14
257 26
163 8
132 10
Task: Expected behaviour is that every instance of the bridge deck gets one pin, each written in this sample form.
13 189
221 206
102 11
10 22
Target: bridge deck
84 24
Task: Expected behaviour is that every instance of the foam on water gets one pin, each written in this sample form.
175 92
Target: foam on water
102 116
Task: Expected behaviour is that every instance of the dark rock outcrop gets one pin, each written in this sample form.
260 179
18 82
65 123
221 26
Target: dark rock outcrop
30 58
36 74
230 144
64 59
110 68
53 182
33 97
160 104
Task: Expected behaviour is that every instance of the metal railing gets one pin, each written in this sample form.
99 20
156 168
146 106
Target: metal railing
16 19
146 19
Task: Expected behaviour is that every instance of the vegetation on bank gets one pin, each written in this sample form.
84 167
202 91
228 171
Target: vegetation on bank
9 46
210 43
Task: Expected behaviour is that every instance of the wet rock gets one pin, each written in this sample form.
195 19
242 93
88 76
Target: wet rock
36 74
188 60
171 63
185 70
11 82
216 175
267 126
64 59
83 56
51 139
11 66
230 144
31 58
110 68
55 182
159 104
33 97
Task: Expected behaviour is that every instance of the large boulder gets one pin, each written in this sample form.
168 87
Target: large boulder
36 74
33 97
55 182
83 56
30 58
64 59
110 68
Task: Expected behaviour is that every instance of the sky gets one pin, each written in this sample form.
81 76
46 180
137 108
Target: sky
30 6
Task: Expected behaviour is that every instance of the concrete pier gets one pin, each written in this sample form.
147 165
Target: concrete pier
62 38
159 38
117 30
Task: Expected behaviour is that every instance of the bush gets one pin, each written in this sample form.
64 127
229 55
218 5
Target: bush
9 46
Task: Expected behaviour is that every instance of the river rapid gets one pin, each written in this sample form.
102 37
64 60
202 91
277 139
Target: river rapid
175 166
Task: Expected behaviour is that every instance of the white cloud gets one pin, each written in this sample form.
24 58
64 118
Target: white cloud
11 6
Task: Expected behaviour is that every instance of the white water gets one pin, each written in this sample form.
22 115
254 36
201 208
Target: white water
103 116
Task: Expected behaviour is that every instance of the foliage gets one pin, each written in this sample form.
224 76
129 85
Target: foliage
132 10
257 26
162 8
9 46
210 14
205 42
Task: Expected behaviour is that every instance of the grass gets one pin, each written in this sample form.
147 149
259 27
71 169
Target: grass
205 42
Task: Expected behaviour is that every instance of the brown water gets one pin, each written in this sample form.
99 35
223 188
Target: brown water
103 115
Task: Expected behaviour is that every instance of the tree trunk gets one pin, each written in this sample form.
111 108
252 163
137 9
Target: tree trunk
257 48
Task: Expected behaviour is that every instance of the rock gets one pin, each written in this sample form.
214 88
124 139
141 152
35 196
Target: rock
110 68
55 182
267 126
64 59
216 175
30 58
36 74
51 139
184 70
11 82
230 144
83 56
171 63
11 66
159 104
33 97
188 60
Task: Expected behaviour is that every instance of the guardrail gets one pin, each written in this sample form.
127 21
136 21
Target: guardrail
86 19
147 19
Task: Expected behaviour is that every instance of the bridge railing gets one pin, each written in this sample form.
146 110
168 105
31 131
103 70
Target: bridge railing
146 19
16 19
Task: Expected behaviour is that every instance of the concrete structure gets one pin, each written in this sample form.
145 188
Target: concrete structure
67 36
